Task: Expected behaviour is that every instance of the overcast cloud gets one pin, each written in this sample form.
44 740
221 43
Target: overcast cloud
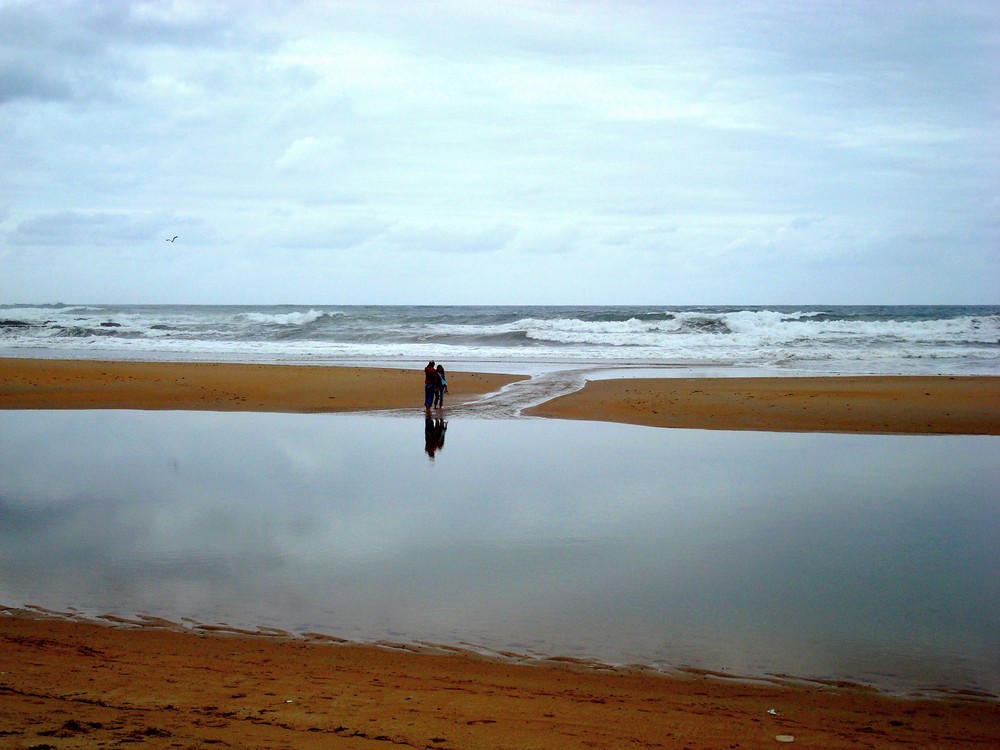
500 152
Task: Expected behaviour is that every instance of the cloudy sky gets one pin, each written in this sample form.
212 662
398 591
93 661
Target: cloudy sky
531 151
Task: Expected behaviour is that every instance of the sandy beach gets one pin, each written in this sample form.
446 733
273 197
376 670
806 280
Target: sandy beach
84 384
936 405
919 405
80 685
70 683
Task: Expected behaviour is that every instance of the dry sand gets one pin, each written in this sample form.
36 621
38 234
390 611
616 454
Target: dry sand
66 683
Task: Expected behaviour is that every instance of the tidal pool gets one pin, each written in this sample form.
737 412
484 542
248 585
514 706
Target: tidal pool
860 557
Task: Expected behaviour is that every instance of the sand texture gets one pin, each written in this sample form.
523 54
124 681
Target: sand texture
924 405
79 685
83 384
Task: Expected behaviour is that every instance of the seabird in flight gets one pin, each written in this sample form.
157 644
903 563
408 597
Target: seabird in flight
173 238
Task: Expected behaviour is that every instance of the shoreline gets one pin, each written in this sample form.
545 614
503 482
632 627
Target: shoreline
83 681
89 683
188 626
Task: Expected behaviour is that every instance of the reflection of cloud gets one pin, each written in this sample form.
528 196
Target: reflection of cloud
742 546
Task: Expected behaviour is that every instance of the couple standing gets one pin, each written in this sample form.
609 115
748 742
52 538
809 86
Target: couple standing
435 386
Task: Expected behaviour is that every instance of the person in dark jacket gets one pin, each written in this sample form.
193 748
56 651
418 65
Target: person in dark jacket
431 381
442 388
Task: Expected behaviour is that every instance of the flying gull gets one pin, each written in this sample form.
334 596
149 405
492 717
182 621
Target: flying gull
173 238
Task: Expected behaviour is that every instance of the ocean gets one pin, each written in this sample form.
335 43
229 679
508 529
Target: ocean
810 339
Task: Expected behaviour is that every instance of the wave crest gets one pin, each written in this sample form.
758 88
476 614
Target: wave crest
286 319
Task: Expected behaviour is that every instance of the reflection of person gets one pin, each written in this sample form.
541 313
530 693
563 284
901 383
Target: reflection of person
442 388
434 430
430 385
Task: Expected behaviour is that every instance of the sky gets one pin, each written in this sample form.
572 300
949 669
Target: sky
523 152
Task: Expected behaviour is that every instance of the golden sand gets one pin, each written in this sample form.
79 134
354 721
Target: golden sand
80 685
84 384
924 405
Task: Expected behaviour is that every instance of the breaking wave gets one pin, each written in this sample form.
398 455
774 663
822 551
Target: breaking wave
827 339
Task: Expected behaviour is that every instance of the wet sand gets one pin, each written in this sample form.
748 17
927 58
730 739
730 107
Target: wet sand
907 405
67 683
79 685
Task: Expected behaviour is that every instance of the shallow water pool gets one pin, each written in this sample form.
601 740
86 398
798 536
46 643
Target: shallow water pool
859 557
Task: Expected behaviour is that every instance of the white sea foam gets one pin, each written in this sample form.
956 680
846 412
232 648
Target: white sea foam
838 339
285 319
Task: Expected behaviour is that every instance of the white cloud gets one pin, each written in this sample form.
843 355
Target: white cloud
299 152
562 139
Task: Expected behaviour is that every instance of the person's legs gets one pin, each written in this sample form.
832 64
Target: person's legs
428 396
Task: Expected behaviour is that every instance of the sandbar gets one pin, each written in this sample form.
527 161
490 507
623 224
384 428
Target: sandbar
938 405
968 405
87 384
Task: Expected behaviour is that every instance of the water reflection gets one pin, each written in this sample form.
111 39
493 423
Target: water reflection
856 557
434 430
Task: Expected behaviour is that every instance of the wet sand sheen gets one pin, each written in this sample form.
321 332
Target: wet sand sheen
77 684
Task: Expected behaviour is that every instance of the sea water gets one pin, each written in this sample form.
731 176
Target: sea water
869 558
933 339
